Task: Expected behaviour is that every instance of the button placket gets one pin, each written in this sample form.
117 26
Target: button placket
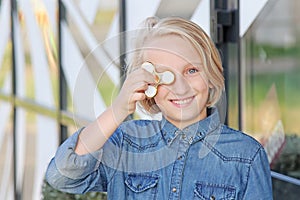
191 140
183 136
178 168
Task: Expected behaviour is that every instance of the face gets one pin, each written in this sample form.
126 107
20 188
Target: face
184 101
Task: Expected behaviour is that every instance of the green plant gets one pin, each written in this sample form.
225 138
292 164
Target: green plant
49 193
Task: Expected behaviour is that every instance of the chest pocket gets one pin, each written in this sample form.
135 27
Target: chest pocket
141 186
206 191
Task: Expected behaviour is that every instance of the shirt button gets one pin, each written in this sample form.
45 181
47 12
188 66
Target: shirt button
174 189
212 197
183 136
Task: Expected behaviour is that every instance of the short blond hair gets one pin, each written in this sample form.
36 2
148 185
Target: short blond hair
155 27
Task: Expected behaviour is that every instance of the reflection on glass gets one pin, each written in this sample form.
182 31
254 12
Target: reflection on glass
6 151
284 190
271 49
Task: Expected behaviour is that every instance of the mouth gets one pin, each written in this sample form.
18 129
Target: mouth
182 102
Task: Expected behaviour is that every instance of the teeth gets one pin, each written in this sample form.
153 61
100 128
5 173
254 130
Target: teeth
181 102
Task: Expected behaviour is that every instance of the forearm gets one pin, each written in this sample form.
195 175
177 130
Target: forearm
96 134
93 137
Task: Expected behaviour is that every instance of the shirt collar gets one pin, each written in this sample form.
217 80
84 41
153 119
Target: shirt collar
193 132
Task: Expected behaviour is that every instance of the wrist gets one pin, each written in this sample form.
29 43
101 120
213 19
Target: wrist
119 114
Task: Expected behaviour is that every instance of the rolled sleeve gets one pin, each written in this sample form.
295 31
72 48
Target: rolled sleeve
73 173
76 166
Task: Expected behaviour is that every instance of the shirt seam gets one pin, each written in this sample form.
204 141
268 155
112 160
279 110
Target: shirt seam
248 171
137 146
225 158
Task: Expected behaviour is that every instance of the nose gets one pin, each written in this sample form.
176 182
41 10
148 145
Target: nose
180 86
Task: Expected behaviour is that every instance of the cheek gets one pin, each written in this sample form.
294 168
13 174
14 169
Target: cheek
162 92
201 87
200 83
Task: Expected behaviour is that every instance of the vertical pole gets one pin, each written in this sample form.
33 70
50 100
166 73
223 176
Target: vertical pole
13 13
122 32
240 73
225 33
217 33
62 80
123 46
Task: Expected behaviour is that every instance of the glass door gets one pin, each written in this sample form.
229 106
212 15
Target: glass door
259 42
270 82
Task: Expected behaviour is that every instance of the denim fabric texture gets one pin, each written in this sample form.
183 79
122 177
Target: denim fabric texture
150 159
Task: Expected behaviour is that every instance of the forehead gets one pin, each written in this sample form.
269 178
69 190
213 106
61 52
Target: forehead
170 50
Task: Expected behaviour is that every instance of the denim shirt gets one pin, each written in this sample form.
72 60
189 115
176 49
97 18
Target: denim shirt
150 159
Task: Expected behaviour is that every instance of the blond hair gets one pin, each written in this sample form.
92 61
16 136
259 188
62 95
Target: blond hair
154 27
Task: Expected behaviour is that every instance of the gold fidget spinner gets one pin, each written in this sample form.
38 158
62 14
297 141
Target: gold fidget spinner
166 78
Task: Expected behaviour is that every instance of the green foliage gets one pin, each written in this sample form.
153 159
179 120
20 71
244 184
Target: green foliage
49 193
276 51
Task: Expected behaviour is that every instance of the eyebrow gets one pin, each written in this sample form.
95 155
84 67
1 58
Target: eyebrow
188 64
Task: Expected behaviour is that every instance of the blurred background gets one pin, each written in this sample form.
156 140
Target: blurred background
63 62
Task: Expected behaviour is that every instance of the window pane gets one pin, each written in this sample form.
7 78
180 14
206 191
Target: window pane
271 49
6 151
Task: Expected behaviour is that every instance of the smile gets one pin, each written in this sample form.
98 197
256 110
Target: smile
181 102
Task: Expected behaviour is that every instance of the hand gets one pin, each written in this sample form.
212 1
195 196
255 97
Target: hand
96 133
133 90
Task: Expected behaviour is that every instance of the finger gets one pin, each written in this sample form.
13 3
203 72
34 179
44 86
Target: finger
137 87
141 75
138 96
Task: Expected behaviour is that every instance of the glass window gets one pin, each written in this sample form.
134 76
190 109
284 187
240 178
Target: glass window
271 59
6 151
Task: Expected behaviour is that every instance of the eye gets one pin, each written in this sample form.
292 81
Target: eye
192 70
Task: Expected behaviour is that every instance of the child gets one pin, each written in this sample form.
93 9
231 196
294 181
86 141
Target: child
189 153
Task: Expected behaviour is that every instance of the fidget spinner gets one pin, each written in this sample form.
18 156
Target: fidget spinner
166 78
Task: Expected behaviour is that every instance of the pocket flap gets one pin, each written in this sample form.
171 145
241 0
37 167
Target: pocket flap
214 191
141 182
